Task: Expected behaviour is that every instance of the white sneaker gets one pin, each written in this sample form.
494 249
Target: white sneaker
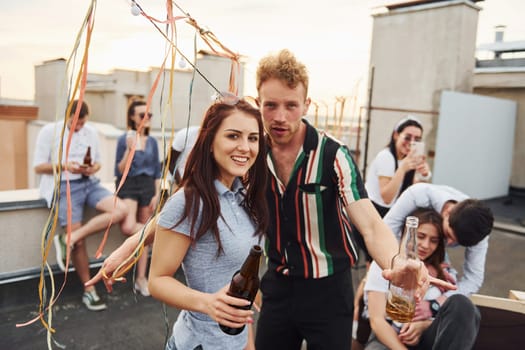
92 301
141 286
61 250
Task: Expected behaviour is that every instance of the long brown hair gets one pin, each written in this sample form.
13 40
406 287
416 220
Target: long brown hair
202 170
430 216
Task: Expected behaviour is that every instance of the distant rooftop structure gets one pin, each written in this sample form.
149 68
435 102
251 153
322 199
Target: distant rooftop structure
408 3
399 6
15 102
60 59
503 47
505 54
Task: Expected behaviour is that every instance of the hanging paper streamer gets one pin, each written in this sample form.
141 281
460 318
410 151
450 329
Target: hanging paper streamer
74 87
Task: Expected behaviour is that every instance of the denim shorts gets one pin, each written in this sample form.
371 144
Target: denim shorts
83 192
171 345
140 188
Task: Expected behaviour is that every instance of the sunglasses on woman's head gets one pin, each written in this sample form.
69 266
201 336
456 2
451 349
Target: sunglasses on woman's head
142 115
231 99
226 97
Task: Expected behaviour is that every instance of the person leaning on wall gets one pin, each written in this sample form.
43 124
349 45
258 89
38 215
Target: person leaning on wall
85 190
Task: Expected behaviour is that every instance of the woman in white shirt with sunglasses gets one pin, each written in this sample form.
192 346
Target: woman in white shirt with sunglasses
397 166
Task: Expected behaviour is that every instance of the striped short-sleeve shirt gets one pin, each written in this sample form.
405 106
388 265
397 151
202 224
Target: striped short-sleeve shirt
310 235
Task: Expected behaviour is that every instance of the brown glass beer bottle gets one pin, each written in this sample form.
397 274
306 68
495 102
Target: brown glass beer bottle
245 283
401 302
87 161
87 157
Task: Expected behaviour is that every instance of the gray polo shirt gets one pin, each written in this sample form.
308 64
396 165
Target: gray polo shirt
207 272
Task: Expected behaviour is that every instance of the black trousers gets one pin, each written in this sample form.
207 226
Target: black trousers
363 325
319 311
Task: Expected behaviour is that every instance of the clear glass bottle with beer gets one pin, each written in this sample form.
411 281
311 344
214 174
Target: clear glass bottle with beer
245 283
401 303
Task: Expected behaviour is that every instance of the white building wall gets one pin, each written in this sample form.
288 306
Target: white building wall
417 52
49 83
508 84
108 94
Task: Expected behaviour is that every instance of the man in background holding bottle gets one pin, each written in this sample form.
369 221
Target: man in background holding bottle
85 190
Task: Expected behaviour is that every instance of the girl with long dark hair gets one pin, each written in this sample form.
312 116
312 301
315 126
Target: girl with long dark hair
395 167
208 227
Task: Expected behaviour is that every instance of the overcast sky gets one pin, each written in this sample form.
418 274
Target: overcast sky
331 36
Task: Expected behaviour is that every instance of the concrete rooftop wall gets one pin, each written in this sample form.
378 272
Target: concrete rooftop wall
417 52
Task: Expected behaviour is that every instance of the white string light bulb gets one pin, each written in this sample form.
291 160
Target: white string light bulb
135 10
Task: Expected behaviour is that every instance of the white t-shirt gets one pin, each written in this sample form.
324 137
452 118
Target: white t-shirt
383 164
183 143
46 151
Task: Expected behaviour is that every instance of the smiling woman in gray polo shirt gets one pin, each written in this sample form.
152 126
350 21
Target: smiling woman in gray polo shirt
208 227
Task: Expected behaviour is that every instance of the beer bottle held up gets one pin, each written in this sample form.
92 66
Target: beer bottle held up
245 283
401 302
87 160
